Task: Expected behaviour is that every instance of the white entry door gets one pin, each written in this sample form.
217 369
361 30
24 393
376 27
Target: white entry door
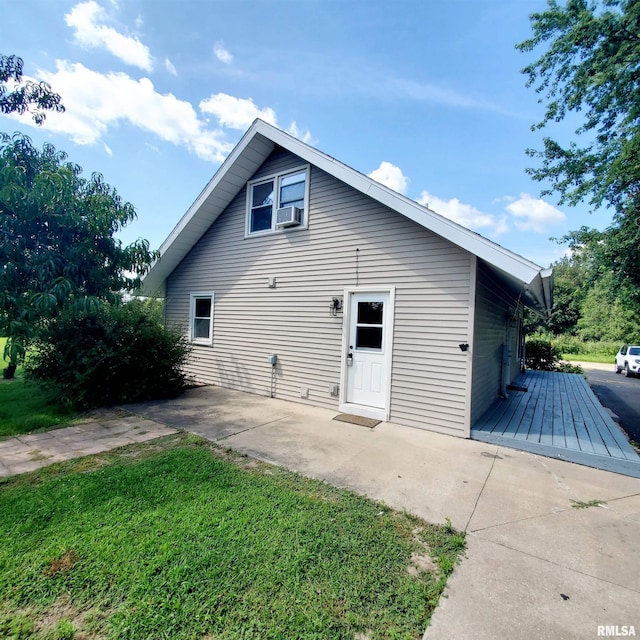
368 357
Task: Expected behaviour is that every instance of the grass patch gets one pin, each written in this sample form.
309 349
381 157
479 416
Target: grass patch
581 504
179 539
589 357
25 408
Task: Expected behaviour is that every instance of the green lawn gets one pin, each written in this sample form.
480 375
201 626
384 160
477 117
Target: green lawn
25 408
179 539
589 357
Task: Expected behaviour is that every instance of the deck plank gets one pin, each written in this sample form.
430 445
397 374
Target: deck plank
558 416
546 427
491 417
569 416
538 411
603 444
616 445
518 401
533 384
558 438
583 439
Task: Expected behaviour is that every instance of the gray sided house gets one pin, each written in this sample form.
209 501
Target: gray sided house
373 304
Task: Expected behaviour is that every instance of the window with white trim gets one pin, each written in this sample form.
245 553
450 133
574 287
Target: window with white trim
201 317
267 195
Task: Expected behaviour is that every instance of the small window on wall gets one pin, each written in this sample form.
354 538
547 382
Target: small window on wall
260 218
201 329
266 196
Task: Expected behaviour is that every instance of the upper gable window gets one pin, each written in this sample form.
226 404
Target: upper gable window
266 196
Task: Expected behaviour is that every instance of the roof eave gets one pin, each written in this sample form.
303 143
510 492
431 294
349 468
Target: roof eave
197 219
541 290
253 149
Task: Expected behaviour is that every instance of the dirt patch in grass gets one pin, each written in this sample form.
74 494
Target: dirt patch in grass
422 559
88 464
62 564
60 621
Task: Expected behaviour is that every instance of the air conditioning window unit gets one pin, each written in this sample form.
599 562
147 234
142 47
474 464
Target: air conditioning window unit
288 217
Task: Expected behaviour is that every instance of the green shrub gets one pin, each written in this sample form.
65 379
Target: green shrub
542 354
112 355
567 367
577 346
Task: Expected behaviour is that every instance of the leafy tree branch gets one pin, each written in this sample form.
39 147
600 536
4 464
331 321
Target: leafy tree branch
21 96
59 249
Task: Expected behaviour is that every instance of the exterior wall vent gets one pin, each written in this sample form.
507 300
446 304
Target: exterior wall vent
288 217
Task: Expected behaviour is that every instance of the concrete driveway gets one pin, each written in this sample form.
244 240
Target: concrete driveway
553 547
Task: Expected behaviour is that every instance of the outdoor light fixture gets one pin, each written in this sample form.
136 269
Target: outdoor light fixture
335 306
464 346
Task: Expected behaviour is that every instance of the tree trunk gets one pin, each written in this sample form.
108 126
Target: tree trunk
9 372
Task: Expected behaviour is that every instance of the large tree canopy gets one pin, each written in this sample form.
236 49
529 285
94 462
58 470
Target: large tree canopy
591 66
25 95
57 240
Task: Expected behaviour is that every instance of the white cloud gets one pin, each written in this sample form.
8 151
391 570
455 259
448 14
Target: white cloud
236 113
221 53
390 176
239 113
169 66
305 135
95 102
534 214
87 19
465 214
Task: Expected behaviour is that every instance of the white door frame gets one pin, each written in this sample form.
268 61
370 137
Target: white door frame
357 409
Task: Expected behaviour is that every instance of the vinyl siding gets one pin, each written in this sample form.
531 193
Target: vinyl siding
494 305
431 276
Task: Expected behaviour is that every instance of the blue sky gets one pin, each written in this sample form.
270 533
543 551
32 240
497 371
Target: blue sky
424 95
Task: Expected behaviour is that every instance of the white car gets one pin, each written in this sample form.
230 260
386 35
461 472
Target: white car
628 360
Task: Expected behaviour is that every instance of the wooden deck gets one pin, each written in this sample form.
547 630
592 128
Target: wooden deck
560 417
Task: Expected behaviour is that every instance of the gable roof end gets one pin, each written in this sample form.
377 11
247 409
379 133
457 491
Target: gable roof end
253 149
